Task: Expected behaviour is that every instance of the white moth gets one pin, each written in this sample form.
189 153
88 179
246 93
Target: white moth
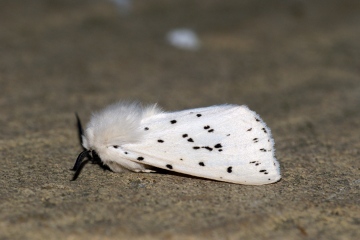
227 143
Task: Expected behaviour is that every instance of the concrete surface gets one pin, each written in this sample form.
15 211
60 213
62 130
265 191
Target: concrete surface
296 63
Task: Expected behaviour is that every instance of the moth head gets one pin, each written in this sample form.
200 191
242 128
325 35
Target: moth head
87 155
115 125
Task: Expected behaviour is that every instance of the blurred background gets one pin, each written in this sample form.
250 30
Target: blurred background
98 51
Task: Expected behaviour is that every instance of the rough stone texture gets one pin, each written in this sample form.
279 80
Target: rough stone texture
296 63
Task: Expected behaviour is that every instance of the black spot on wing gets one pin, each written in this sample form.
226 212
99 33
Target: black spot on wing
264 130
211 130
263 149
115 146
198 115
184 135
218 146
249 130
229 170
140 158
160 141
196 147
202 164
206 127
256 163
169 166
208 148
146 128
173 121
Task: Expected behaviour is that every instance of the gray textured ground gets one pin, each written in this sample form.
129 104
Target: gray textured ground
296 63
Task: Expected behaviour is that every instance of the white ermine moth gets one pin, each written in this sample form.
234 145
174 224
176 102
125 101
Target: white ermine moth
227 143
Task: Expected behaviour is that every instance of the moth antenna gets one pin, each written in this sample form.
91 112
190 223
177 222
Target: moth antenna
79 159
79 168
80 130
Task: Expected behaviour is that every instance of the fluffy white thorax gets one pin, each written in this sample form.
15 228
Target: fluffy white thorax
117 124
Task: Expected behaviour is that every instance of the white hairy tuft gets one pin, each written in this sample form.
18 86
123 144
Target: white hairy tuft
117 124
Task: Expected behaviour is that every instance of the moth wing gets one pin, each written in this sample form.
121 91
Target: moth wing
227 143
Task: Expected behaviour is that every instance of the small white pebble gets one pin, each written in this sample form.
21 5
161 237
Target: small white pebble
183 38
